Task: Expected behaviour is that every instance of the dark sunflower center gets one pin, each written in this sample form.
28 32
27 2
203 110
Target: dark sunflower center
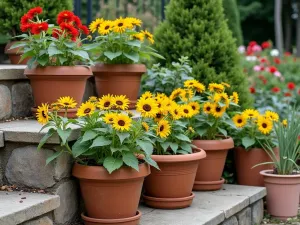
147 107
120 24
111 119
175 112
218 109
119 102
240 121
106 28
106 104
161 128
208 108
159 105
250 114
44 114
121 123
186 111
88 110
191 83
66 103
194 107
158 115
264 125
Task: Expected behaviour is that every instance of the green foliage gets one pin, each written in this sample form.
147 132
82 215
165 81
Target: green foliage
232 15
198 29
11 12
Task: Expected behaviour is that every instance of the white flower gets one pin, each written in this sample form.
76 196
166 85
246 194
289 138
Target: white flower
251 58
274 52
242 49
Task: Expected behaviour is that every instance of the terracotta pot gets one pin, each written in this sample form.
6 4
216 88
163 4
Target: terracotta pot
120 79
15 54
208 177
171 186
71 113
282 194
51 82
111 196
134 220
245 160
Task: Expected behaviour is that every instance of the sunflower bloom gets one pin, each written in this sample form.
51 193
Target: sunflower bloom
139 36
218 111
251 113
272 115
148 36
145 126
94 26
235 97
226 84
122 122
190 83
284 123
264 124
133 21
195 106
55 106
176 93
120 25
162 104
86 109
106 102
42 114
121 102
176 111
146 95
214 87
199 87
105 27
147 107
67 102
207 108
163 129
93 99
109 118
187 111
239 120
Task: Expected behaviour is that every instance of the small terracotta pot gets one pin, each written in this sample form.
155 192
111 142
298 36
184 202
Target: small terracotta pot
71 113
15 54
51 82
171 186
119 79
244 162
208 177
134 220
111 196
282 194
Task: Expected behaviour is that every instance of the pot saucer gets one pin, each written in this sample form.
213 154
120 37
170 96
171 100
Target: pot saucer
169 203
208 185
134 220
71 113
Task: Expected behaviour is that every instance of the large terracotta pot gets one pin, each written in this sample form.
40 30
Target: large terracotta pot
110 197
51 82
15 54
208 177
119 79
282 194
171 186
244 162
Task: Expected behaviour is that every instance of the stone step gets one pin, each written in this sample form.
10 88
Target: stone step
16 208
233 205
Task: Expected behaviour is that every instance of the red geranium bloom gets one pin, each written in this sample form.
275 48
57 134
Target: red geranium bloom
252 43
32 12
287 54
84 29
266 44
262 68
263 60
26 27
25 19
277 60
275 89
287 94
39 27
70 30
56 33
252 90
65 16
291 85
272 69
77 21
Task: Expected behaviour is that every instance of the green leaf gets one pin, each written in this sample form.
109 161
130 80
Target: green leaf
80 53
18 44
182 137
122 136
64 134
119 149
247 142
88 135
54 156
156 55
80 148
134 56
130 160
43 60
135 43
88 47
223 131
70 44
112 164
30 62
52 50
112 55
201 131
186 147
100 141
46 137
174 147
103 130
182 152
165 145
62 59
146 146
151 162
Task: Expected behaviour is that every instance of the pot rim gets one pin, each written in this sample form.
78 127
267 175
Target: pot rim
215 145
77 70
137 68
112 221
267 173
200 154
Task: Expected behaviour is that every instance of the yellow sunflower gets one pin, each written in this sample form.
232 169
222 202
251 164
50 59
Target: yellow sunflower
190 83
199 87
272 115
207 108
146 95
42 114
121 102
106 102
187 111
226 84
93 99
122 122
163 128
147 107
225 99
159 116
160 96
284 123
120 25
134 21
218 111
55 106
67 102
176 93
239 120
251 113
145 126
139 36
235 97
176 111
109 117
86 109
148 35
264 124
105 27
214 87
163 105
195 106
94 26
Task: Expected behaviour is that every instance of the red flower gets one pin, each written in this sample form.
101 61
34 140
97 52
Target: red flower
262 68
32 12
277 60
287 54
252 43
26 27
56 33
263 60
252 90
65 16
275 89
287 94
77 21
291 85
299 92
70 30
272 69
84 29
25 19
266 44
39 27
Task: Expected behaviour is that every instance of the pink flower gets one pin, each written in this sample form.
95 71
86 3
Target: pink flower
277 73
256 48
257 68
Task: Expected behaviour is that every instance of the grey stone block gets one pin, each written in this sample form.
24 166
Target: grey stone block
68 203
257 212
244 217
27 167
5 102
45 220
12 72
231 221
63 166
1 139
22 99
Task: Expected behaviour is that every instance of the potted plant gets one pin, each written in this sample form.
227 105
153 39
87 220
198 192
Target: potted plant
54 53
283 181
252 131
209 129
12 11
171 186
106 164
120 49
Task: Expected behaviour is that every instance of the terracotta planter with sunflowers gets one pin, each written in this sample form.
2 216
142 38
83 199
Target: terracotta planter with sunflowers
120 48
